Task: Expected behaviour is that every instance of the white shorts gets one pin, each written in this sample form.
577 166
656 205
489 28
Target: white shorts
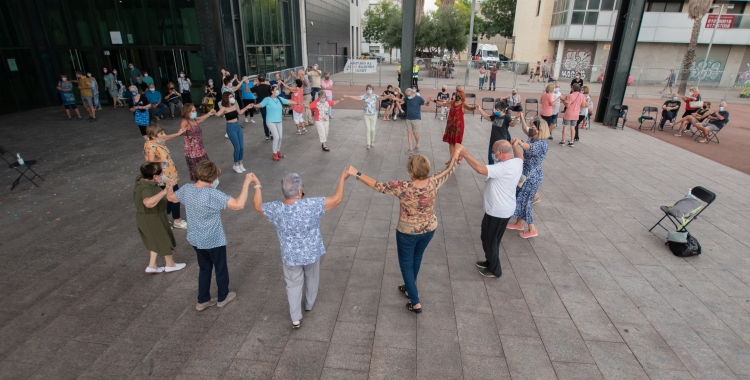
299 118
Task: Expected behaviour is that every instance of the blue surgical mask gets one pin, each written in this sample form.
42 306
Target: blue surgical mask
134 93
497 113
675 98
557 90
193 115
276 92
369 92
721 108
411 97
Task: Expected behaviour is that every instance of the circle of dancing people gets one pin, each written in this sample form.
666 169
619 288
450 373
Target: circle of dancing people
513 175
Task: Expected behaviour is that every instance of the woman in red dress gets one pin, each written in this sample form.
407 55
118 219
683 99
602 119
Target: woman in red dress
454 129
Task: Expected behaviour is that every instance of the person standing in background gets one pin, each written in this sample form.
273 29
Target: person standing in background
263 90
184 84
247 98
314 75
65 88
111 87
327 86
670 79
87 95
94 91
415 75
414 104
493 77
134 74
482 71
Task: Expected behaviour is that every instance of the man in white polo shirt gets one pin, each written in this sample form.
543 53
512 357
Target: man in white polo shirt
499 199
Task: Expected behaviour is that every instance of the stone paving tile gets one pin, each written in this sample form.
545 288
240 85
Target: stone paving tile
560 309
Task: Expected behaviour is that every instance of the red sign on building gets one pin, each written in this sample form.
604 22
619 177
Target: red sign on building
726 22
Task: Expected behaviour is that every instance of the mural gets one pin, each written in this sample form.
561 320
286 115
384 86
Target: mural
744 78
576 61
706 71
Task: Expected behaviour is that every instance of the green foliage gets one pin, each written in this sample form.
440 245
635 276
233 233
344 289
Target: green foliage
500 15
378 20
449 29
464 10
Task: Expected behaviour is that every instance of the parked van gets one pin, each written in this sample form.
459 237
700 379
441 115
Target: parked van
488 53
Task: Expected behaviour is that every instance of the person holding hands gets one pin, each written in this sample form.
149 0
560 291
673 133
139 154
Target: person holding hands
274 114
231 113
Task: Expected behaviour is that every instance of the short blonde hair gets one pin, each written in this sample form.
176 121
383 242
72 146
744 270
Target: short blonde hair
153 130
693 89
550 88
207 171
543 128
418 167
585 89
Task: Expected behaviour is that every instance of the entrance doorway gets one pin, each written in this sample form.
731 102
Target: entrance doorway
170 62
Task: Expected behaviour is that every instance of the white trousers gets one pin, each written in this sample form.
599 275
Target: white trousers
296 277
370 121
322 127
276 131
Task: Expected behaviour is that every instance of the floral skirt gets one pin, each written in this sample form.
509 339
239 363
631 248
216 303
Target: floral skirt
454 134
192 163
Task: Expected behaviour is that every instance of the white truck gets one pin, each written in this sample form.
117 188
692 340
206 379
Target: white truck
488 53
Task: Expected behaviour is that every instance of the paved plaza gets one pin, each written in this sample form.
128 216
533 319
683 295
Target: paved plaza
595 296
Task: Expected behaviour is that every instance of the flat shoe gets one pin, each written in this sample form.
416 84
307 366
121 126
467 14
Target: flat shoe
410 307
150 270
517 227
231 296
402 289
529 234
175 268
205 305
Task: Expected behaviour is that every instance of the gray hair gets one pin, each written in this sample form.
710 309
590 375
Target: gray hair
502 146
291 184
133 87
409 91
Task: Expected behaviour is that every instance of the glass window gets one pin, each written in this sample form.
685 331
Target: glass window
81 17
579 4
673 7
11 29
591 18
159 22
134 28
105 20
248 24
52 14
739 8
578 18
593 4
186 23
607 5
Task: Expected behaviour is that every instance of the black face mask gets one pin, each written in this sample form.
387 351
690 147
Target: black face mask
458 98
533 132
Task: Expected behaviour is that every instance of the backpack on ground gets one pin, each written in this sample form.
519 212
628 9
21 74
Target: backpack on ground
682 244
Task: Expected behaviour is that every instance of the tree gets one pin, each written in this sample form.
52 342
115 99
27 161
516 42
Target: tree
377 22
500 15
464 10
452 29
696 10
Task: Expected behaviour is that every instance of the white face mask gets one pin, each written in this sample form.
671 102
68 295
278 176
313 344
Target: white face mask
557 89
88 75
114 72
721 108
145 75
131 67
232 101
64 79
182 75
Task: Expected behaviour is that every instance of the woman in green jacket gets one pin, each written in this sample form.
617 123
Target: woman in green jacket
151 218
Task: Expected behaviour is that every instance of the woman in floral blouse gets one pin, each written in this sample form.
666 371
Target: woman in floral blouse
193 136
417 221
155 150
370 112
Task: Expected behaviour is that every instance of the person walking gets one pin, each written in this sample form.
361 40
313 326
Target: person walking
110 85
184 86
247 98
670 79
155 150
262 90
95 91
231 113
482 72
173 100
65 88
370 112
87 95
583 114
574 102
499 199
203 205
327 86
297 223
417 221
140 107
493 77
454 128
151 218
414 104
274 108
298 111
314 74
319 110
195 152
534 151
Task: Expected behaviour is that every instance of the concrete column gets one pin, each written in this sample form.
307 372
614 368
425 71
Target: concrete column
733 65
303 32
408 28
559 57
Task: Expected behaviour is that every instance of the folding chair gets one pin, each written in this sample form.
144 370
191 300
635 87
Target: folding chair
528 110
491 101
646 116
712 135
622 113
701 193
473 98
22 169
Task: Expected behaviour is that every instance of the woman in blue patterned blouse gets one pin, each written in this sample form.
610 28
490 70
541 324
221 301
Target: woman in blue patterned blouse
297 223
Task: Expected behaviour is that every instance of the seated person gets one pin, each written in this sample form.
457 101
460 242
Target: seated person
669 111
698 115
514 100
155 98
398 102
714 122
387 103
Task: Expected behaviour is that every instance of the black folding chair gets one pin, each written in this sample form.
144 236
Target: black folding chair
712 135
701 193
646 115
491 101
473 98
622 113
12 162
535 109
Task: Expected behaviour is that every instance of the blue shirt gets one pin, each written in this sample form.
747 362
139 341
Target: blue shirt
203 207
245 89
298 228
153 97
413 108
273 108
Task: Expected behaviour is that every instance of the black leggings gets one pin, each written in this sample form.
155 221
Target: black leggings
245 102
173 208
580 119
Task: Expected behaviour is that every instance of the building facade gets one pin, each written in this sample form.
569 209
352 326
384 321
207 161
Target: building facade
42 39
577 34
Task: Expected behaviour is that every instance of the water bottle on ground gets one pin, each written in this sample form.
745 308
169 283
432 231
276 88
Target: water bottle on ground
20 160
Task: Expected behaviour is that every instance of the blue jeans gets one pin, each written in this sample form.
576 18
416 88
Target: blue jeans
158 110
234 131
410 251
481 83
490 157
208 260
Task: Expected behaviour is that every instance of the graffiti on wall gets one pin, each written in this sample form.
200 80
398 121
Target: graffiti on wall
706 71
744 78
576 61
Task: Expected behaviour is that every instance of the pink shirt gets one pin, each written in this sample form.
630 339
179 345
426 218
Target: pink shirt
546 107
326 86
575 100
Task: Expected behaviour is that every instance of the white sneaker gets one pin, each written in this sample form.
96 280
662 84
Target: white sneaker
247 120
395 117
175 268
226 135
215 183
181 225
252 121
242 167
237 169
150 270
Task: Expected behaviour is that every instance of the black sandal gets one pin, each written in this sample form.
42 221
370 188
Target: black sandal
325 148
402 289
410 307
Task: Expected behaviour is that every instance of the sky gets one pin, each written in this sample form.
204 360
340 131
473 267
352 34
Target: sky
429 6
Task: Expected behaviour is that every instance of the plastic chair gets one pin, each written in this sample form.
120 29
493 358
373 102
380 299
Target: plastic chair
492 106
528 110
622 113
704 195
646 115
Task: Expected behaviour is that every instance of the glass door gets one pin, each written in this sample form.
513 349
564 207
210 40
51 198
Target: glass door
170 62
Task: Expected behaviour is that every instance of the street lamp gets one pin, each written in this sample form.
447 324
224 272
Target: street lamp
713 33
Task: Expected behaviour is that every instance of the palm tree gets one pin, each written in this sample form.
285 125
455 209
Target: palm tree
696 10
420 9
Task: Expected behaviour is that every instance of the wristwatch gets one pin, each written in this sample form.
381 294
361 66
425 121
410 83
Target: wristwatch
358 175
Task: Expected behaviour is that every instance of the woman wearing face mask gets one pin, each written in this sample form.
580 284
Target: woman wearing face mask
140 106
327 85
297 94
95 91
693 97
454 128
65 88
583 114
173 100
443 96
155 150
547 102
534 151
184 83
274 109
319 110
231 113
398 102
110 85
370 113
195 152
698 115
